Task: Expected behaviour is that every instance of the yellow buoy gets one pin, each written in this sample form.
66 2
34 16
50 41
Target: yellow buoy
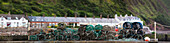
56 25
49 26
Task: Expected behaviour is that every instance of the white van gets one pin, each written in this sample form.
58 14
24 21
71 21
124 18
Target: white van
147 30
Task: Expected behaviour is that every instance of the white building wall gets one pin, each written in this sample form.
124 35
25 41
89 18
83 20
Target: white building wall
14 23
110 24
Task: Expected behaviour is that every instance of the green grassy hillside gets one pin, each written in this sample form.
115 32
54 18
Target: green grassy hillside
148 10
61 7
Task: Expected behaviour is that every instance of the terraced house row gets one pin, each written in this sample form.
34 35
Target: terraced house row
24 21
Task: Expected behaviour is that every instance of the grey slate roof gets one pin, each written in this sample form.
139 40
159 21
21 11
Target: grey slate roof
13 16
71 19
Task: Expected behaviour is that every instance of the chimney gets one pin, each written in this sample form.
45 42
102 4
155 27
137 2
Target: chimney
85 16
26 15
43 15
93 16
31 14
107 16
100 16
65 15
126 15
120 15
54 15
9 13
115 15
75 15
131 15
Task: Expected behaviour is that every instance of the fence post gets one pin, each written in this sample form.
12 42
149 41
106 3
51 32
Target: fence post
155 29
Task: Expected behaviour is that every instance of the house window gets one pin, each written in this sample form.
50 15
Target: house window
43 25
41 19
17 24
49 24
16 18
37 25
37 19
9 18
23 23
22 19
32 19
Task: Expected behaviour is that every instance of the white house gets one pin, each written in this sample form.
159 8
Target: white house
13 20
127 18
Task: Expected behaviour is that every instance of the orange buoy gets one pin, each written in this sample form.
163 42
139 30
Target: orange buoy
146 40
116 30
116 35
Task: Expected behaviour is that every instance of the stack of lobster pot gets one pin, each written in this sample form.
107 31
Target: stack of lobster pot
99 32
88 32
132 30
61 33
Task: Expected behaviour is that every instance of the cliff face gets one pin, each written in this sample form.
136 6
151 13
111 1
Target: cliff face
148 10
